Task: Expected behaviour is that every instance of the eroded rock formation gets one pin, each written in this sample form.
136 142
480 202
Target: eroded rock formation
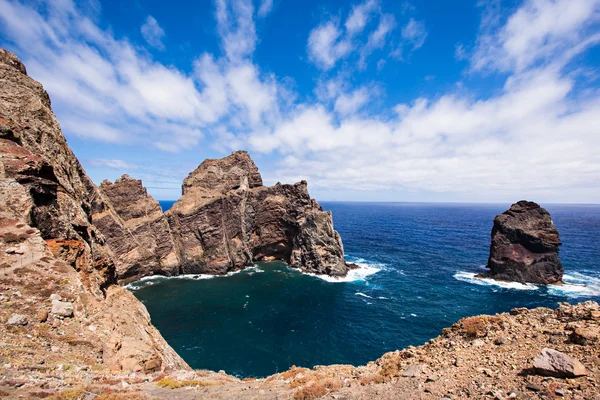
50 245
524 246
145 246
226 219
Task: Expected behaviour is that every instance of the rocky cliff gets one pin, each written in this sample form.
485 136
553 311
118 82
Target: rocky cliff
524 246
144 245
226 219
59 269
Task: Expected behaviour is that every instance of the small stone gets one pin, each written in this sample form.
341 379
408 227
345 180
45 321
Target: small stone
534 387
432 378
554 363
152 365
42 315
413 371
17 320
478 343
560 392
501 340
595 314
584 336
55 296
62 309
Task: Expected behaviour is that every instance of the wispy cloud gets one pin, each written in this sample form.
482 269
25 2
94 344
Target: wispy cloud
265 8
153 33
114 164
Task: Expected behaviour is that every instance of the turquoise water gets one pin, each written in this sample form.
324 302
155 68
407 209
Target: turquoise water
419 261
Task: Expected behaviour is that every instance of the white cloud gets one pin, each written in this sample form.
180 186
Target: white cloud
330 41
265 8
326 45
236 27
539 31
414 33
460 53
536 138
153 33
350 103
360 15
377 38
114 164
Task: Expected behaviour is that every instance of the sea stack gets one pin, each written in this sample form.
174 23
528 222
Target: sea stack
524 246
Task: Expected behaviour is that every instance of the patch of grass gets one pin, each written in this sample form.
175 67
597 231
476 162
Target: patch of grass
390 366
292 372
317 389
172 383
69 394
479 326
372 378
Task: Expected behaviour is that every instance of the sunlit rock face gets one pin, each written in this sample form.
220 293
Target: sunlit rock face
525 245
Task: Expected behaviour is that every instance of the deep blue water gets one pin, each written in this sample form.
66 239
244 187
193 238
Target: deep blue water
267 318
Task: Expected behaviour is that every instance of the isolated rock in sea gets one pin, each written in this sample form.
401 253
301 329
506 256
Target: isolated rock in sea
554 363
524 246
227 219
146 246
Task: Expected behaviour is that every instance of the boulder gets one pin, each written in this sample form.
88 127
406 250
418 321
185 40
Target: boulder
17 320
524 246
62 309
554 363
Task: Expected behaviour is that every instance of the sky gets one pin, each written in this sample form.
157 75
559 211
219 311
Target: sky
374 100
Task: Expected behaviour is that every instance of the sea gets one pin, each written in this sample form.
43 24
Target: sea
418 265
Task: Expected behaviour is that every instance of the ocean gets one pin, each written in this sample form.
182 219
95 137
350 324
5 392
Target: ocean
417 277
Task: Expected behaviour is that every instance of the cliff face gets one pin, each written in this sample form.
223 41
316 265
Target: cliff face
524 246
51 246
226 219
145 246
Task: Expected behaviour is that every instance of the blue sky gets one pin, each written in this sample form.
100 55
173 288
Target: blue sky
475 101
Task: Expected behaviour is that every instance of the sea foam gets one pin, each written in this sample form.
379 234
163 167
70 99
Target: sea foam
575 284
359 274
471 277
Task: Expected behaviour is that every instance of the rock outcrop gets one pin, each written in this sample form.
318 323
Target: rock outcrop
524 246
49 243
145 246
226 219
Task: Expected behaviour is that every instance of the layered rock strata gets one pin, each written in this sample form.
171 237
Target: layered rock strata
49 244
144 245
227 219
524 246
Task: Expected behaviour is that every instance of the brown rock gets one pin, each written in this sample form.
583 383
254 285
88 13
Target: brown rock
42 315
145 246
554 363
524 246
585 336
226 220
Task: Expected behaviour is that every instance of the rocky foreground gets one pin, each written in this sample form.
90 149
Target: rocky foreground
524 354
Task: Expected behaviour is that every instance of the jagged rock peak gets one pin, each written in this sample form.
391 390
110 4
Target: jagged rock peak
524 245
224 174
8 58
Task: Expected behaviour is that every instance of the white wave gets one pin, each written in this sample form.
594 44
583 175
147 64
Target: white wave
382 298
576 285
471 277
363 295
353 275
413 315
